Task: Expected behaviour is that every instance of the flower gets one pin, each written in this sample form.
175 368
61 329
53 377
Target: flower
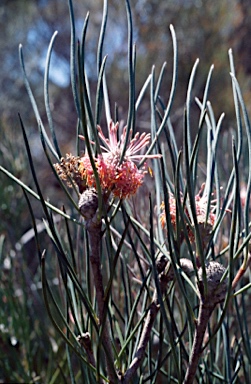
172 211
120 176
201 201
205 222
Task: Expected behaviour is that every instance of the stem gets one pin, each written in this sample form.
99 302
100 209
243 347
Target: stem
85 342
241 271
164 278
151 315
93 227
205 312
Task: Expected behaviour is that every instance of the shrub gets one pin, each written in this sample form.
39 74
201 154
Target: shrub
150 247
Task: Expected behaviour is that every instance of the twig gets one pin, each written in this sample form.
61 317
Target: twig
211 295
242 270
88 205
85 341
205 312
94 231
164 278
166 274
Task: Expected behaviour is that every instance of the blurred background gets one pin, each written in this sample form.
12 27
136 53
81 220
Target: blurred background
205 30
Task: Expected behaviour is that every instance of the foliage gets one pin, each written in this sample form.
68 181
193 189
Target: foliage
145 288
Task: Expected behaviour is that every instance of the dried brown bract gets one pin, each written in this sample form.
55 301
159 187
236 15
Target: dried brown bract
68 170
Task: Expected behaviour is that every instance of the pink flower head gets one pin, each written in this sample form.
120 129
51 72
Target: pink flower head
201 202
172 211
122 178
205 222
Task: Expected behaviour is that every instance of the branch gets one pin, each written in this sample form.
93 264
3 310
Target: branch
85 341
205 312
210 295
164 278
88 205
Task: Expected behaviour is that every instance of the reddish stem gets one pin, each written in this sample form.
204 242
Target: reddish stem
205 312
94 231
146 333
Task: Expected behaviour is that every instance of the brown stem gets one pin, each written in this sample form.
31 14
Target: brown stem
205 312
241 272
94 231
238 276
151 315
214 294
164 278
85 341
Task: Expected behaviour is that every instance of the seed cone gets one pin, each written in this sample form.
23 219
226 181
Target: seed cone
216 289
161 263
88 203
